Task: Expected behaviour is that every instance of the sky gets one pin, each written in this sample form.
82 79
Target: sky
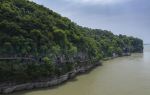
127 17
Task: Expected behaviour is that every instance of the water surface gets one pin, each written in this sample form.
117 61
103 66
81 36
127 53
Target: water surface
121 76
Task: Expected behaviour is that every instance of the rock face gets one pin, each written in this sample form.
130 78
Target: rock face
53 82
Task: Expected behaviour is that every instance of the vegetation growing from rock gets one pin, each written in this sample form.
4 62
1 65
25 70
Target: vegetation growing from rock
36 42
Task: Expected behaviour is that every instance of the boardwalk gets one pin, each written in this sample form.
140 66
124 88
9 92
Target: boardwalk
16 58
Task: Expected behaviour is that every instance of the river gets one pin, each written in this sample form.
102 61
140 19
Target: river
121 76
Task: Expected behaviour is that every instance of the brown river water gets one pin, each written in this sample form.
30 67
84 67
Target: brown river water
121 76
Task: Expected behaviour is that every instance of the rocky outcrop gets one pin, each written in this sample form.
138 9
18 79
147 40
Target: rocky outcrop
126 54
26 86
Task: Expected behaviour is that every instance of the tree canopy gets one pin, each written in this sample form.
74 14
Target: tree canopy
29 30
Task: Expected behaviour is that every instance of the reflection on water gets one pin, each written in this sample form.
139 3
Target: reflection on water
121 76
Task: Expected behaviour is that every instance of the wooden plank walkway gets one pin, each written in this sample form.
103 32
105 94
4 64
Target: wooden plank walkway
16 58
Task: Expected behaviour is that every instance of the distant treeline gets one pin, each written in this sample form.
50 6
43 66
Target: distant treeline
36 42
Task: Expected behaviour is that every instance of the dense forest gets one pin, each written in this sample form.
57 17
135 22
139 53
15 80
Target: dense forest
36 42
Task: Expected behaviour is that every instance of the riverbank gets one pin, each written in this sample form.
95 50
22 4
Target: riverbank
13 87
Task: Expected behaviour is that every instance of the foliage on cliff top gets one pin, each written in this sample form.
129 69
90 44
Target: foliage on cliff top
29 30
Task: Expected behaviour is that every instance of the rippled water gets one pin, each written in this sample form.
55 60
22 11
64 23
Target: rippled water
121 76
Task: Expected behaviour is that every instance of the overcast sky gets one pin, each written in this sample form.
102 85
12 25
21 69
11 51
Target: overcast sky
129 17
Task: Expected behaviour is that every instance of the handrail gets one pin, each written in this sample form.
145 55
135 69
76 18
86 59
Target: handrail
16 58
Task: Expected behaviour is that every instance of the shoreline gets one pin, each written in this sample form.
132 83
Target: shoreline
12 87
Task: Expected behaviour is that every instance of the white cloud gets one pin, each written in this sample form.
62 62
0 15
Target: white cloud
98 1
